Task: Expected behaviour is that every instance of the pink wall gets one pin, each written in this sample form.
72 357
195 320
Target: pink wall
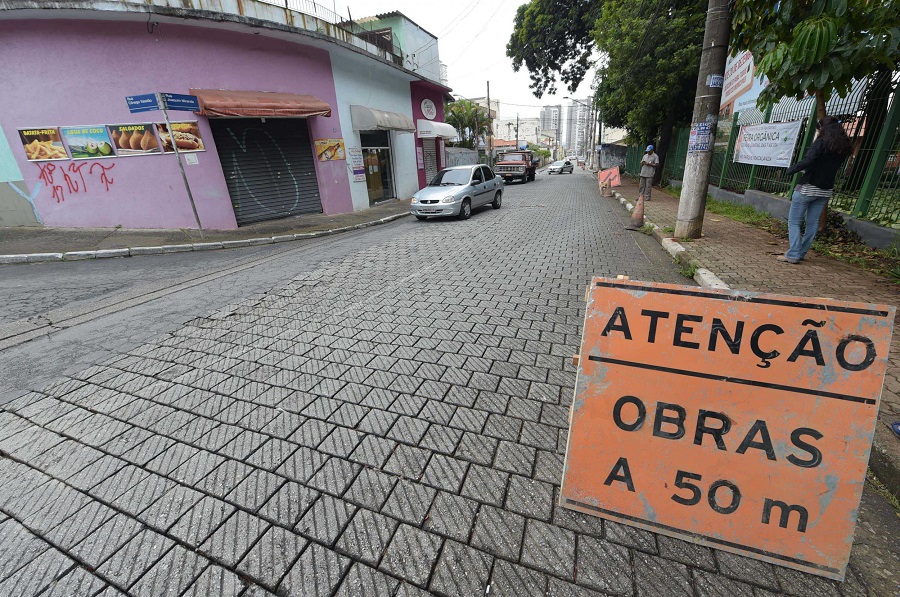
70 73
420 90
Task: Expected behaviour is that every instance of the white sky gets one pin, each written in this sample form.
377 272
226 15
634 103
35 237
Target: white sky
472 37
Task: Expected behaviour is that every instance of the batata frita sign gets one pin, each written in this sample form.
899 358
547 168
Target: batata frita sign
735 420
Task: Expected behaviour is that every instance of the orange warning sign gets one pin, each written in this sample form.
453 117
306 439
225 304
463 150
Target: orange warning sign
610 176
736 420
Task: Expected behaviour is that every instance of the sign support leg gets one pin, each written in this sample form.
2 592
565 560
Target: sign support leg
187 186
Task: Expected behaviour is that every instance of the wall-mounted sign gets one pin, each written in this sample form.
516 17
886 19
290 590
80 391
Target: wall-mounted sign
357 167
134 139
88 142
330 149
759 442
429 110
186 134
767 144
42 144
420 157
700 138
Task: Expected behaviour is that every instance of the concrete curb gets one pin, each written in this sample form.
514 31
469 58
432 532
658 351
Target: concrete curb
702 276
183 248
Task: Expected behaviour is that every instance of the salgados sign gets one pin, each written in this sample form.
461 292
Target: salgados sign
740 421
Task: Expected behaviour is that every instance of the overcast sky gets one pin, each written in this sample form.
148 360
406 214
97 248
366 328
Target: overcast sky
472 38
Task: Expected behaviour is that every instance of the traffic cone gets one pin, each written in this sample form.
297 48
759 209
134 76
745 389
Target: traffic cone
637 215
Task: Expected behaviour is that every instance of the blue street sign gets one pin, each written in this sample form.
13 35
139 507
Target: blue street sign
184 103
142 103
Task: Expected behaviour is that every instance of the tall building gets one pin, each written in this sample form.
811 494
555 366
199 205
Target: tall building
551 118
576 127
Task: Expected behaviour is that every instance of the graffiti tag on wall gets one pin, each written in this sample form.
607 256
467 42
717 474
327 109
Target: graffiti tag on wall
74 178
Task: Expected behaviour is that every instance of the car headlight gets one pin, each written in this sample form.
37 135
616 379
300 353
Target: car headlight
449 199
414 199
521 168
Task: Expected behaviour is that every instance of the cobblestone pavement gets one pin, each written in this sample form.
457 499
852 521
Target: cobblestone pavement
390 423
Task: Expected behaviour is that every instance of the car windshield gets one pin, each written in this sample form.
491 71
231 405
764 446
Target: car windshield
512 157
451 178
559 163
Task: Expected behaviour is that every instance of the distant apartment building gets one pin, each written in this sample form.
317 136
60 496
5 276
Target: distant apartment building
551 119
576 127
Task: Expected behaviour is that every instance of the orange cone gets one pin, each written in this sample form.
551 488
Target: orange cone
637 215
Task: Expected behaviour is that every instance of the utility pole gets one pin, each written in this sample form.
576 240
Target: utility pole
689 223
490 159
517 130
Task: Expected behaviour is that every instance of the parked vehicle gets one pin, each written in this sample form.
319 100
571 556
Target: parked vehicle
457 191
561 167
516 164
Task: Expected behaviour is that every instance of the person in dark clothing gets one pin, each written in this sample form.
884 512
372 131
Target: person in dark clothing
820 165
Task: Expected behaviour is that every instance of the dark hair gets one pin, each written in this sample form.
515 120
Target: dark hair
834 136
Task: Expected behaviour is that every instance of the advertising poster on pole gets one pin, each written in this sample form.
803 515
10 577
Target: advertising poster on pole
134 139
42 144
186 135
88 142
758 444
767 144
330 149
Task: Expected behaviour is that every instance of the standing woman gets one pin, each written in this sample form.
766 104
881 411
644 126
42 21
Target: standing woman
820 166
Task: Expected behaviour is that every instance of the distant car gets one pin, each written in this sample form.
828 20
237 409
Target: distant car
457 191
560 167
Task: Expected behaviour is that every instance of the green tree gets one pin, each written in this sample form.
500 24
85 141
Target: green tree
816 46
552 38
470 120
649 76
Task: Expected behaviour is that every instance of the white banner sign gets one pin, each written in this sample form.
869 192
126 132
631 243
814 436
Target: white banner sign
767 144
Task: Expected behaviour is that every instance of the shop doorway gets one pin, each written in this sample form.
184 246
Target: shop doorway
377 159
429 150
268 167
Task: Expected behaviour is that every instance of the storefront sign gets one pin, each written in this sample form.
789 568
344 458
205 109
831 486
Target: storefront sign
134 139
357 167
187 136
146 102
88 142
330 149
700 138
181 103
429 110
736 420
42 144
767 144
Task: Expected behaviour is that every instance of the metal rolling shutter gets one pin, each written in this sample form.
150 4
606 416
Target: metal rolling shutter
430 151
268 166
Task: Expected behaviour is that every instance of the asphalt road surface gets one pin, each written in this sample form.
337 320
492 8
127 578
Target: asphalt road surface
382 412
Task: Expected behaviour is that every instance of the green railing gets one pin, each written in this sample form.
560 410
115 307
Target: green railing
868 185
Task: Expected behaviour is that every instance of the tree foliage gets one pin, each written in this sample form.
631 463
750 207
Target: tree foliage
649 76
816 46
470 120
552 38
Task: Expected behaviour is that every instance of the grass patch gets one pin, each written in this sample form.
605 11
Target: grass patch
669 230
882 490
647 229
688 270
741 213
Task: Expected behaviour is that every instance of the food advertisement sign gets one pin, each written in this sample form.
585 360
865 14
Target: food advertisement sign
330 149
88 142
759 441
186 134
356 164
134 139
42 144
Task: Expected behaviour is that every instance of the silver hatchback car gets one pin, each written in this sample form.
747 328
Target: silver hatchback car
457 191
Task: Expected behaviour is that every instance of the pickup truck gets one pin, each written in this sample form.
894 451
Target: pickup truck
516 165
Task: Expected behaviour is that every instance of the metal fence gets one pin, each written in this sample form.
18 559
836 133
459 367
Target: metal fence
868 184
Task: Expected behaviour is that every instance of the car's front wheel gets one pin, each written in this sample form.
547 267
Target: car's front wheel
421 217
498 200
465 211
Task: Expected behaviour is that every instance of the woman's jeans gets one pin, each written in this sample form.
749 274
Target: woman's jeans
803 208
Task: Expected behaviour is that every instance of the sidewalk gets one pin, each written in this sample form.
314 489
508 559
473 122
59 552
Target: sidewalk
52 244
744 258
